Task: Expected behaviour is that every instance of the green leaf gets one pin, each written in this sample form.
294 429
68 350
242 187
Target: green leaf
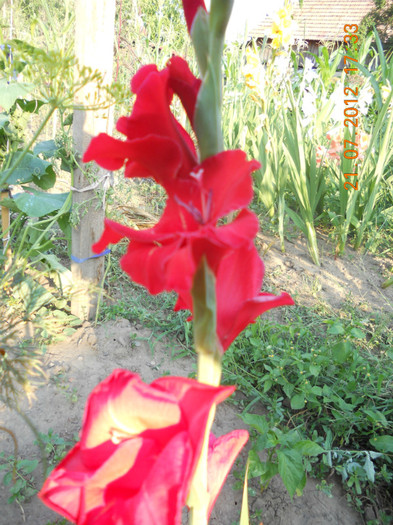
317 390
10 91
297 401
270 470
369 468
308 448
376 416
336 329
30 106
257 422
7 478
314 370
18 486
28 465
37 204
355 332
255 465
341 351
290 468
31 169
383 443
47 148
4 120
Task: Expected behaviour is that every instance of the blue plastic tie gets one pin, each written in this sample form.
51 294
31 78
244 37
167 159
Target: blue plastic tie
79 261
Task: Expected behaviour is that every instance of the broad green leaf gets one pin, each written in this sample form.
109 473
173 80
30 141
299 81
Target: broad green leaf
10 91
314 370
341 351
28 465
270 470
356 332
37 204
383 443
256 467
336 329
317 390
31 169
290 468
376 416
47 148
30 106
4 120
369 468
308 448
297 401
257 422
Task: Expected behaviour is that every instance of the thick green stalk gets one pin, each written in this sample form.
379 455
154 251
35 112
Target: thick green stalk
207 124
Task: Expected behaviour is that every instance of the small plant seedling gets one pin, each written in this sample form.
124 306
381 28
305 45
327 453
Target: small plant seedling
56 447
18 477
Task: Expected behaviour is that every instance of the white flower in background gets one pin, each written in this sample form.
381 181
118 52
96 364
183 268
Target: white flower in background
366 96
338 103
309 73
385 92
283 66
261 118
308 103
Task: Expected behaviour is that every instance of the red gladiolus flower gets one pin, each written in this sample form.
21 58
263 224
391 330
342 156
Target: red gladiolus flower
166 256
156 145
138 452
190 10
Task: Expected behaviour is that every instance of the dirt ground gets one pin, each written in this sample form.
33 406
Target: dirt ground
74 367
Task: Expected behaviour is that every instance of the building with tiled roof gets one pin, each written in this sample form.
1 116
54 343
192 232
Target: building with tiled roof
320 20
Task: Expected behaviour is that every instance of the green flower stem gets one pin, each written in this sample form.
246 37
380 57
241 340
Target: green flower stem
207 118
29 145
209 372
207 123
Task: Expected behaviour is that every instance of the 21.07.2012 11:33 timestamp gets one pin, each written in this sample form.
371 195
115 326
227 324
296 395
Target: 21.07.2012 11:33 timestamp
351 150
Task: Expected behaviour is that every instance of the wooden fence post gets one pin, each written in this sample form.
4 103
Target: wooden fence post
94 46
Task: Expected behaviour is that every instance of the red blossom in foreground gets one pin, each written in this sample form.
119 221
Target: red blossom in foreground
138 452
156 144
190 10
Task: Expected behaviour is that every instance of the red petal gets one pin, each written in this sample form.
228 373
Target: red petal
110 235
196 400
228 176
163 492
108 152
190 10
151 115
108 416
184 84
247 313
222 454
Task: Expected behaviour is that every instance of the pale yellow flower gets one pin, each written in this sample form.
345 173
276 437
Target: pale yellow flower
385 91
283 27
254 74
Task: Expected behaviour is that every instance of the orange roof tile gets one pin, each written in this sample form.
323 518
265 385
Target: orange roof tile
321 19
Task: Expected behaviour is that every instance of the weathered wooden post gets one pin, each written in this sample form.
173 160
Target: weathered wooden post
94 44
